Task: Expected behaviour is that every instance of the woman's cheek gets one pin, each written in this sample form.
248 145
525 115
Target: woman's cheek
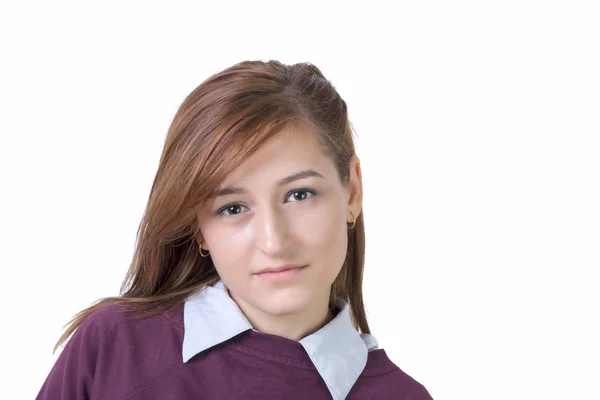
322 228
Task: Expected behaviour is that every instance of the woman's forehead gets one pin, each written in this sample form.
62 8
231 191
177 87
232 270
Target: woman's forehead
290 152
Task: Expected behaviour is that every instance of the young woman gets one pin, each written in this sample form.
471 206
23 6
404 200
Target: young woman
246 282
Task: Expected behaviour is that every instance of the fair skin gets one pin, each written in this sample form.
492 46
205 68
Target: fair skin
301 222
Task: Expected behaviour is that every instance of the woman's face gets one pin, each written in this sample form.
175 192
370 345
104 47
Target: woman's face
290 207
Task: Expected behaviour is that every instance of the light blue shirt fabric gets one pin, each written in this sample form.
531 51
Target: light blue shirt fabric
338 351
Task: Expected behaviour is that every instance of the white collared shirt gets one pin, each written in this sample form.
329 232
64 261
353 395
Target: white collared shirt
338 351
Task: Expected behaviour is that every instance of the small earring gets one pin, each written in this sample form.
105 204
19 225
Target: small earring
201 253
353 222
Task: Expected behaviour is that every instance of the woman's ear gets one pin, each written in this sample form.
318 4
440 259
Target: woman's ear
199 237
355 188
200 242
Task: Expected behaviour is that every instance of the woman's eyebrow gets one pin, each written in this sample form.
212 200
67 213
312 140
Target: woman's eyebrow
283 181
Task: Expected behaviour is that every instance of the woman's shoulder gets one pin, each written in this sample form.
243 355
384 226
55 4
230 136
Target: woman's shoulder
124 315
122 319
120 325
384 375
116 343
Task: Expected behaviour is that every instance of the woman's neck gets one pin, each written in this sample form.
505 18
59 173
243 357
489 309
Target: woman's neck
291 326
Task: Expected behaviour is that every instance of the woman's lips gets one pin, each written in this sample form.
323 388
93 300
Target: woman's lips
282 275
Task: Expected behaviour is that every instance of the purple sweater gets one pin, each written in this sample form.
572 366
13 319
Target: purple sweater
119 355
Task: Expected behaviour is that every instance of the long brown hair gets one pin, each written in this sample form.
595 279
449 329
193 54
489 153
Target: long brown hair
221 123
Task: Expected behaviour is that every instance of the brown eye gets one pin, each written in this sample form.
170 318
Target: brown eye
301 194
230 210
234 209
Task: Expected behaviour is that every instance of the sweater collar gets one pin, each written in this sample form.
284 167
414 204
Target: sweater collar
337 350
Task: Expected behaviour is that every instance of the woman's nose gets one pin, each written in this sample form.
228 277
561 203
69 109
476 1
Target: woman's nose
272 232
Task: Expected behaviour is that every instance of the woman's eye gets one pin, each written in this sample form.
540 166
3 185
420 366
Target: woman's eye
232 209
301 194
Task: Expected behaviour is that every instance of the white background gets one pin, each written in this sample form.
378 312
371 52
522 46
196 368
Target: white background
478 126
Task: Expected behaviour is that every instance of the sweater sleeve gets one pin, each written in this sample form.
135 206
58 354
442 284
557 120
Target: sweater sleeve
72 375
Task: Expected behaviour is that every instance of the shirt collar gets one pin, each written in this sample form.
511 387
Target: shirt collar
337 350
